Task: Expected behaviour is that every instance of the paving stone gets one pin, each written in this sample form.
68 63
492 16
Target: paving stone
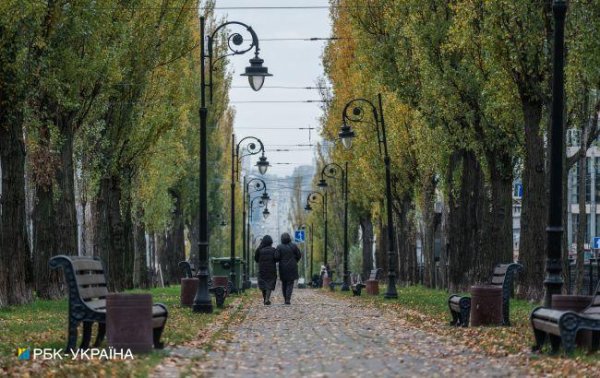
321 336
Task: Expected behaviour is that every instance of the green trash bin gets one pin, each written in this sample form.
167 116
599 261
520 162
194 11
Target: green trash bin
221 266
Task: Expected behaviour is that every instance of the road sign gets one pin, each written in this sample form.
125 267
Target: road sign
518 191
596 244
299 236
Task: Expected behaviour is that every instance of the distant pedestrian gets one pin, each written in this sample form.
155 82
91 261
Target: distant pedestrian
267 269
288 255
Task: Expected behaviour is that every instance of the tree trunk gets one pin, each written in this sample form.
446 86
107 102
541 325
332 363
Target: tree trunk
194 237
366 226
15 263
140 263
428 231
382 248
465 218
54 221
534 215
113 234
175 242
405 246
497 240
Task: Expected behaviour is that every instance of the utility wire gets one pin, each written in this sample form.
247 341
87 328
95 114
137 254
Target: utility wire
278 87
277 101
275 128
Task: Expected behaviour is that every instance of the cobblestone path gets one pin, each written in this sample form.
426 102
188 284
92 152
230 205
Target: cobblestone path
321 336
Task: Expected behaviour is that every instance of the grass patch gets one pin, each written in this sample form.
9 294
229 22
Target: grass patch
43 324
427 309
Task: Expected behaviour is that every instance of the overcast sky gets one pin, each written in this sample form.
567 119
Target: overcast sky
293 64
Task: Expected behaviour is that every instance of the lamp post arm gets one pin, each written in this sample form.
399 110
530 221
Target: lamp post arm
252 150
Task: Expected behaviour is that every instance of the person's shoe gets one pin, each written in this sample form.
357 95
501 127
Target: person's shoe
268 302
287 303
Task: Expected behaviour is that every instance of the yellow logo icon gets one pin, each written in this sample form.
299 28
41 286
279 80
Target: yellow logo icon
23 353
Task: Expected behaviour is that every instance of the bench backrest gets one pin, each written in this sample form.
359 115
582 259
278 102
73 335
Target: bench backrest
85 277
375 274
503 274
594 307
188 268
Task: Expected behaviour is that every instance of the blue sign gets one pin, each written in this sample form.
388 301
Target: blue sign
596 244
518 191
299 236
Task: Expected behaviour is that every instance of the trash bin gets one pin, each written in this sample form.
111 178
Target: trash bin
486 305
221 266
129 322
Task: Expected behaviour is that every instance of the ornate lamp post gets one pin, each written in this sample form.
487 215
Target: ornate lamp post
347 134
312 198
257 184
554 281
254 147
333 170
256 73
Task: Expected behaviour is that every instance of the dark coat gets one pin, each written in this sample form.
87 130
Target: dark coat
287 255
267 270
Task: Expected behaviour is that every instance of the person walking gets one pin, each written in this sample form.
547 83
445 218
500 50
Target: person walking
287 255
267 269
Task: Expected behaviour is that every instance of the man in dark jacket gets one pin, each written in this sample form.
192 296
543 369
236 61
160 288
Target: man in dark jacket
288 255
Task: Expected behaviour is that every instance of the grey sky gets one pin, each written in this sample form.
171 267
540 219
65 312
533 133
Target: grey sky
293 63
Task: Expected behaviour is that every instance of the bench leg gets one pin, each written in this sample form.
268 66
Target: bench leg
454 321
156 334
595 341
87 335
464 316
72 334
506 311
219 296
554 343
540 340
568 339
100 335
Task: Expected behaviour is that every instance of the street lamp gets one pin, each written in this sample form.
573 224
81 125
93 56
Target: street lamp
253 147
261 203
202 300
257 185
554 281
347 134
312 198
333 170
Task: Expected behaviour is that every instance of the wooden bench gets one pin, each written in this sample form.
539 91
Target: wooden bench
503 276
356 286
220 294
562 326
332 285
188 269
86 281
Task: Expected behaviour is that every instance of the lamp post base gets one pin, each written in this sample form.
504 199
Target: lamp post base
391 292
204 308
234 288
345 285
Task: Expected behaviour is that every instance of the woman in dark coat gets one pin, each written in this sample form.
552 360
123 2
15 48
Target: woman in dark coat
267 270
287 255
